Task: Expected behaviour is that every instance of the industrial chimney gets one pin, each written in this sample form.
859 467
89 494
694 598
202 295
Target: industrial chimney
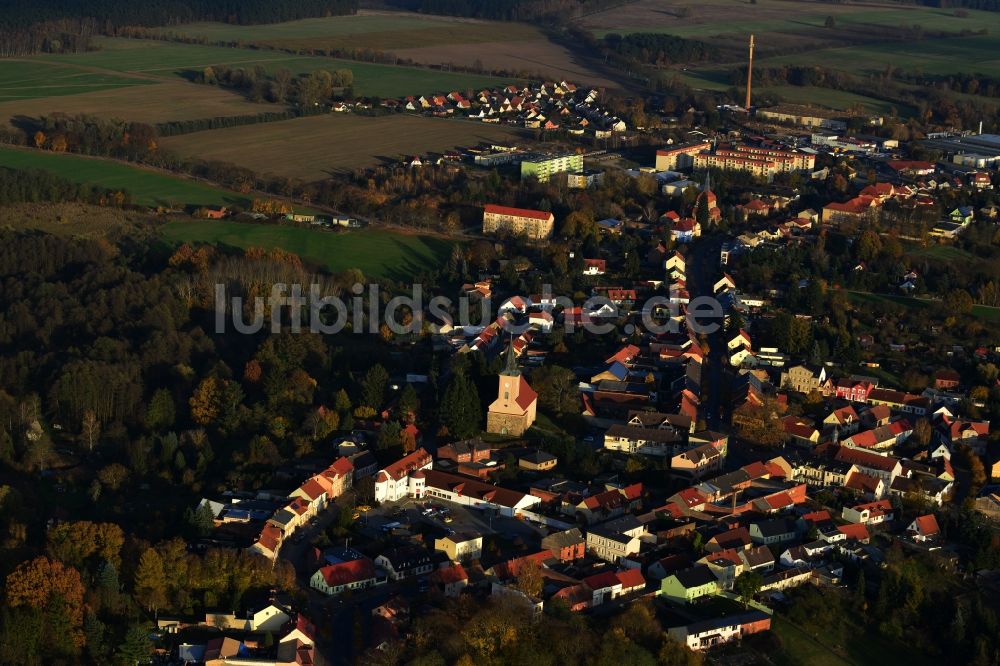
749 74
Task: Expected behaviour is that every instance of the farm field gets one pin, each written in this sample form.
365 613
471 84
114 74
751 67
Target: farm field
22 79
790 32
168 60
380 31
376 253
718 79
865 298
148 188
528 58
310 148
160 102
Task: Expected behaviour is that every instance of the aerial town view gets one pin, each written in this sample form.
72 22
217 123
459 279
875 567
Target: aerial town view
500 332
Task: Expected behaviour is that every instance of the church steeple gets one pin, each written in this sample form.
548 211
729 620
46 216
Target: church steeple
707 187
510 364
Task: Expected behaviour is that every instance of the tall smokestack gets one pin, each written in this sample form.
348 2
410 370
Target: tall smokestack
749 74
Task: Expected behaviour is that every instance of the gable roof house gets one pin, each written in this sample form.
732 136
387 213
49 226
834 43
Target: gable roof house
350 575
689 585
405 562
772 531
403 478
869 513
924 528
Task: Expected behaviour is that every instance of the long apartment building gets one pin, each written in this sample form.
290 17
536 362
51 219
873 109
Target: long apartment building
679 157
545 166
763 162
534 224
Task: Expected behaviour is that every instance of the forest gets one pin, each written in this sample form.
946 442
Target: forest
659 49
67 25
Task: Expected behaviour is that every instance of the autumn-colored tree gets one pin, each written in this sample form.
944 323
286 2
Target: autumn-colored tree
41 581
206 402
39 139
58 143
922 432
252 371
150 587
79 543
113 475
529 578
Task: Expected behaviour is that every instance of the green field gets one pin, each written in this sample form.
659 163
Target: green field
21 79
375 252
940 253
799 648
715 78
168 59
864 298
148 188
795 33
386 32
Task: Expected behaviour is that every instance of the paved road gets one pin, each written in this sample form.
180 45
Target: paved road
703 271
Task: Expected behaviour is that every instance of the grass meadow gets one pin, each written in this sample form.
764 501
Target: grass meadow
148 188
375 252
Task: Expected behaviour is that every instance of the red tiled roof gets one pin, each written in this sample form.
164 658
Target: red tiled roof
856 531
817 516
313 488
630 578
863 482
406 464
927 525
866 459
526 395
731 538
344 573
453 574
602 580
510 568
270 537
517 212
632 492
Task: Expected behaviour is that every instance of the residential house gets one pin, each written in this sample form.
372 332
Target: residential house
350 575
924 528
945 380
869 513
537 460
403 478
698 461
616 539
706 634
844 419
772 531
594 267
405 562
465 451
659 442
803 379
689 585
450 580
567 545
460 546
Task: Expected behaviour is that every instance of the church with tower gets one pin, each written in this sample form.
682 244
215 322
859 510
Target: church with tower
513 412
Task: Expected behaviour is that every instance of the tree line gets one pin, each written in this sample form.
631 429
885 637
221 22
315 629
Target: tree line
34 186
60 25
658 49
306 90
555 11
